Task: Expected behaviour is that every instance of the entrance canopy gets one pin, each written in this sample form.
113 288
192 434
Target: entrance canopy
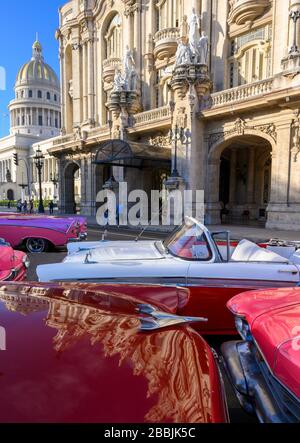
132 154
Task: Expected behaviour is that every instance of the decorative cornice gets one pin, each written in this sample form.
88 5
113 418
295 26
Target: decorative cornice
240 128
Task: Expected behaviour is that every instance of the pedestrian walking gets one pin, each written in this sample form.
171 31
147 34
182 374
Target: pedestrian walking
25 207
31 206
51 207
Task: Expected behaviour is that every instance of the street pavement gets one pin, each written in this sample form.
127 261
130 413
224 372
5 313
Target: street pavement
237 415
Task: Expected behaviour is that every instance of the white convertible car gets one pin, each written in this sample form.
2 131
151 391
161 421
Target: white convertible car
212 267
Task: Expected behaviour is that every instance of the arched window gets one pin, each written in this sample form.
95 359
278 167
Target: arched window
55 97
48 96
250 57
30 94
40 95
113 38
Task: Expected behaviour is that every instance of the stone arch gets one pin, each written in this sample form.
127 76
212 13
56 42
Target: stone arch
217 146
69 185
10 195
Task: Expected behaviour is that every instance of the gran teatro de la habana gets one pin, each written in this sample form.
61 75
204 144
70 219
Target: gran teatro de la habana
198 94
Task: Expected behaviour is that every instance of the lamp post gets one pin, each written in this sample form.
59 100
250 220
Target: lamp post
111 182
39 163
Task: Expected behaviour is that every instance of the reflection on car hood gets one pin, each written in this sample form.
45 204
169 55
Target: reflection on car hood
114 250
73 356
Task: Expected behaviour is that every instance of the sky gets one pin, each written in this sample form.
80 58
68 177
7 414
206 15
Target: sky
20 20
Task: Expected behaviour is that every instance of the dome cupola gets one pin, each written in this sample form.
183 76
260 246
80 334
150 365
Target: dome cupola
36 107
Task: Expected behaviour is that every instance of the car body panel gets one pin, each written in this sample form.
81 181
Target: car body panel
274 320
77 357
57 231
12 266
212 281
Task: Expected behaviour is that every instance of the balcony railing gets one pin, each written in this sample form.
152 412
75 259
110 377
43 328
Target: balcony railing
165 42
239 94
243 11
152 116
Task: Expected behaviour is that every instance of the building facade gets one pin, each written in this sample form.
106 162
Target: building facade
223 75
35 115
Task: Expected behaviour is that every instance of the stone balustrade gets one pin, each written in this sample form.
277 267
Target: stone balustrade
246 11
152 116
240 93
109 69
165 43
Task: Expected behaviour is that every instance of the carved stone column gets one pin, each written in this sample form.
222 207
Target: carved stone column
250 178
232 184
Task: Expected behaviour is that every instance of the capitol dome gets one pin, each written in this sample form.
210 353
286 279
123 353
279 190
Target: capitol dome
36 107
36 70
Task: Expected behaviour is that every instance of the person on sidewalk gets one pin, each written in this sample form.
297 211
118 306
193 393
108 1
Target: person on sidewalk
51 207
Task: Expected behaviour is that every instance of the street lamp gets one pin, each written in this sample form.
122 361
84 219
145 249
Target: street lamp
39 163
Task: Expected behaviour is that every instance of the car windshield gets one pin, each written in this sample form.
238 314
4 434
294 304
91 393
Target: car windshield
189 242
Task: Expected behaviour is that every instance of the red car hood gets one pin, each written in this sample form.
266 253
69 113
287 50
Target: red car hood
274 319
74 356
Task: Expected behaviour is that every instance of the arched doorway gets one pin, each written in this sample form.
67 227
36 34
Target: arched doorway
239 181
10 195
72 188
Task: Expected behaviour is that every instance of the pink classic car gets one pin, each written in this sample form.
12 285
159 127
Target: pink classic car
38 234
13 264
79 220
265 367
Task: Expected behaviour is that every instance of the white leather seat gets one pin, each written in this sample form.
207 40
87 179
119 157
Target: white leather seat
248 251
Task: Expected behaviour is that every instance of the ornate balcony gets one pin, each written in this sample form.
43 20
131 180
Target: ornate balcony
239 94
244 11
165 43
109 68
157 115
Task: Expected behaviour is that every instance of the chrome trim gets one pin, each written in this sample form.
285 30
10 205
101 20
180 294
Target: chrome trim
160 319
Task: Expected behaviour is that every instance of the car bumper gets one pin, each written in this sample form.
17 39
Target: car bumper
253 390
81 237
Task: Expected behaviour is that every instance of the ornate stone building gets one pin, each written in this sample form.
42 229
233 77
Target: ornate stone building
225 74
35 115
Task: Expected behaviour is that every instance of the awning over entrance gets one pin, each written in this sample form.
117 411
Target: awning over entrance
132 154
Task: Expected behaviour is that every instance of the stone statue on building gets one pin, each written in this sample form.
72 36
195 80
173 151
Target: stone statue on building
194 33
183 54
203 49
71 90
184 29
119 82
129 62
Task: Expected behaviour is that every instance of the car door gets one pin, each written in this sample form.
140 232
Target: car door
212 285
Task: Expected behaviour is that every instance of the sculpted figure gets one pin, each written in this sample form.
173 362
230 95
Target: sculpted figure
184 28
119 83
183 54
194 35
203 49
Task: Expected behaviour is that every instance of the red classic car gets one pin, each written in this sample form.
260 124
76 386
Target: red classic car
265 367
103 355
37 234
13 264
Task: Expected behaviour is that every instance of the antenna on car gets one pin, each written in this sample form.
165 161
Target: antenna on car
143 230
